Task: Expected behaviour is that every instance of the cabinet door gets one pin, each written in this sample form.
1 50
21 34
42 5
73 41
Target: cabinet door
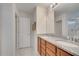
50 49
63 53
42 52
58 52
49 52
41 20
42 47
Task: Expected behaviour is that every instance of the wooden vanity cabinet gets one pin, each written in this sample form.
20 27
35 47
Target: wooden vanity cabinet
46 48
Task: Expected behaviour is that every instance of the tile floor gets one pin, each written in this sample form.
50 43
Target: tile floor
25 52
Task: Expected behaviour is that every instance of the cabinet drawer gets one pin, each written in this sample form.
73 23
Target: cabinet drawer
49 52
42 46
51 47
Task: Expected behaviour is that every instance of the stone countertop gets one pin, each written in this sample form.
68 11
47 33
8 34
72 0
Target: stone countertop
54 39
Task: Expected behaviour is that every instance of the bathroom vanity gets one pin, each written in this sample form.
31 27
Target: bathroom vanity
49 46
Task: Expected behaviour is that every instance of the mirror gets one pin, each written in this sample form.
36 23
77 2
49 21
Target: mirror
73 24
73 27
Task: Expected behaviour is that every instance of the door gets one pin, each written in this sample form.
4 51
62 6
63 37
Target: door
23 32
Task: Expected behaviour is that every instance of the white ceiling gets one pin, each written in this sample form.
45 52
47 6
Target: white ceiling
60 8
28 7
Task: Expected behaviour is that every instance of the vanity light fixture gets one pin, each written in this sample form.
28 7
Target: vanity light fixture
53 5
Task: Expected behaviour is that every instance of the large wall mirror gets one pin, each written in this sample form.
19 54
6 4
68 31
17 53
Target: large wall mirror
73 27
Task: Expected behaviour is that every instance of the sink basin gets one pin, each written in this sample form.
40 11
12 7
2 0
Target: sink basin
67 44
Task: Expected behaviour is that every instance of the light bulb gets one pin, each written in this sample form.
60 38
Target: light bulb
53 5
